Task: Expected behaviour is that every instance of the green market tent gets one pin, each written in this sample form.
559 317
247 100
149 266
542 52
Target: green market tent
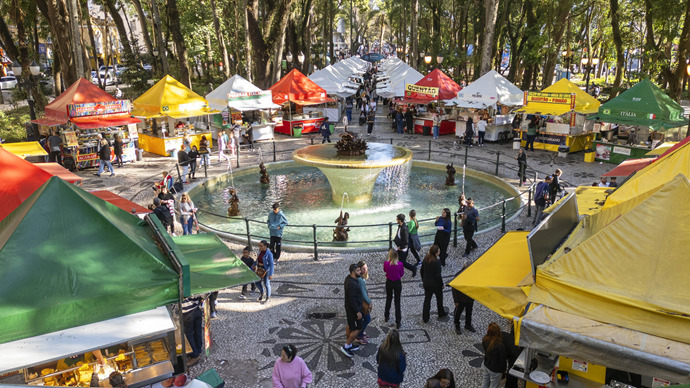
69 258
643 105
212 265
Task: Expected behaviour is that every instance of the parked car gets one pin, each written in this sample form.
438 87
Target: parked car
109 74
8 82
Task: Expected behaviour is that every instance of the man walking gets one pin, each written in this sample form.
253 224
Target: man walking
353 310
481 131
401 241
276 223
54 144
370 121
223 141
183 160
555 186
104 156
469 226
541 197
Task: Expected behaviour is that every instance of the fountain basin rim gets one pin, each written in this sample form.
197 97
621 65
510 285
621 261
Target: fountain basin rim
300 157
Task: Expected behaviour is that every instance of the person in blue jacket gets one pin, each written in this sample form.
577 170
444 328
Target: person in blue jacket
276 223
265 261
391 361
443 227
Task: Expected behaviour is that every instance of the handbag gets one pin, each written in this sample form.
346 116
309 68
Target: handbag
366 308
260 272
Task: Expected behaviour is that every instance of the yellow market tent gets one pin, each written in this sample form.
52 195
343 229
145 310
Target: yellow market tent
168 97
584 103
590 199
500 279
24 149
652 176
626 265
661 148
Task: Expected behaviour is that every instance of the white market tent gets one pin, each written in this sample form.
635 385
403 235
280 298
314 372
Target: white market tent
334 83
218 98
488 90
395 86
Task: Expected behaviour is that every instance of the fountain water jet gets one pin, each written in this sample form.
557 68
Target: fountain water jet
355 175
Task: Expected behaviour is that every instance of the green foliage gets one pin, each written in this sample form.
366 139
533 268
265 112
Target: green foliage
12 128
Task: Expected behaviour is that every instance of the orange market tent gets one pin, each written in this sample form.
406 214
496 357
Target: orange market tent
18 180
628 167
60 172
296 87
120 202
447 88
99 108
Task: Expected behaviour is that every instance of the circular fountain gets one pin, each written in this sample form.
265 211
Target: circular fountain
352 174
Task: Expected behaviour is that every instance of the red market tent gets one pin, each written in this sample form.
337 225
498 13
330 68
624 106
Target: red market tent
18 180
120 202
87 106
296 87
57 170
447 89
628 167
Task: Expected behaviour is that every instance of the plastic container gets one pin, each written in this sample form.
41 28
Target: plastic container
426 130
140 154
516 143
212 378
563 151
589 156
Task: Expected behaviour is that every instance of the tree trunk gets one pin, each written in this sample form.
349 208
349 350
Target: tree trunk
414 54
266 38
75 37
618 42
144 28
683 50
563 12
490 15
178 38
94 52
7 40
121 30
158 30
221 40
55 12
209 66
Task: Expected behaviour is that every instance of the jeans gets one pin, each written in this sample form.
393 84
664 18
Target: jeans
275 247
192 167
400 126
55 157
366 318
471 244
205 160
393 290
264 282
480 135
538 214
103 163
185 171
490 379
529 145
428 292
414 239
435 130
188 226
370 127
442 239
348 113
193 331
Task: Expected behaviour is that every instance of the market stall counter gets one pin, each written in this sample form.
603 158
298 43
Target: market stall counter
551 141
617 153
447 126
159 145
299 124
263 131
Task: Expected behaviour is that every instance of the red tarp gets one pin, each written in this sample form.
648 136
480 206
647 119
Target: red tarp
82 92
630 166
60 172
18 180
297 88
120 202
447 88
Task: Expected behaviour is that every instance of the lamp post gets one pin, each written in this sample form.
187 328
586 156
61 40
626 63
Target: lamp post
589 65
427 60
34 70
567 56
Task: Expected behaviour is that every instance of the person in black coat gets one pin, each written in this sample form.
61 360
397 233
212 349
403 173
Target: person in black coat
463 303
193 155
409 120
401 241
433 283
555 185
469 132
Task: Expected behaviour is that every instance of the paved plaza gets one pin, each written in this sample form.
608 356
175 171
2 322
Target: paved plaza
306 307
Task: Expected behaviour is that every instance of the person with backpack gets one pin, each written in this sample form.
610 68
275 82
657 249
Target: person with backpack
541 198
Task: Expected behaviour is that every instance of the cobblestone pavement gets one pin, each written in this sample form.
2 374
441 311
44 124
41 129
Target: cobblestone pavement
248 335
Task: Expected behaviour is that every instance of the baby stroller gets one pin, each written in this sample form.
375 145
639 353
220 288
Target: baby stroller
362 118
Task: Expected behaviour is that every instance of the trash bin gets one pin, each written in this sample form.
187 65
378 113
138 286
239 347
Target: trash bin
426 130
516 143
173 153
212 378
297 130
589 156
563 151
331 127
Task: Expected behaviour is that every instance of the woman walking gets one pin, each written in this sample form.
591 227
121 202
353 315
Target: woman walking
392 361
442 238
204 151
433 283
394 271
495 357
117 149
289 370
522 165
187 210
362 338
413 227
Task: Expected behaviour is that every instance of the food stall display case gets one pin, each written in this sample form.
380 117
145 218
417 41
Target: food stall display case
636 121
79 114
294 92
163 107
565 108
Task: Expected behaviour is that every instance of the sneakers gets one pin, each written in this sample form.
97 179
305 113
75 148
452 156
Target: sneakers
354 348
362 340
213 314
260 297
243 296
112 174
346 352
457 330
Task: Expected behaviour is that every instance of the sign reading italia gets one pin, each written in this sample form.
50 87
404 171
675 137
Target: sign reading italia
428 90
98 108
550 98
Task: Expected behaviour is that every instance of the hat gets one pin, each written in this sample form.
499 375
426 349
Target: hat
157 201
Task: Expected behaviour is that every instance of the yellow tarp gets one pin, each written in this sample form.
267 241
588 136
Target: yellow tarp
24 149
168 97
653 176
590 199
584 103
627 265
500 279
661 148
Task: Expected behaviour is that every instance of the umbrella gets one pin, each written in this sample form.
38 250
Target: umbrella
372 57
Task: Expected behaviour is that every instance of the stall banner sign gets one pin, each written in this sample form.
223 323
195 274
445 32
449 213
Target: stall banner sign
133 131
244 96
628 114
603 152
657 382
546 138
580 366
550 98
428 90
573 118
71 139
98 108
86 157
621 150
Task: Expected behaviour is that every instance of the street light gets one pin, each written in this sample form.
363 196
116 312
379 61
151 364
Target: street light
300 57
155 52
589 64
427 59
313 55
34 69
567 57
439 59
288 57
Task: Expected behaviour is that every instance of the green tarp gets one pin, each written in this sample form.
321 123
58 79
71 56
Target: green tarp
69 258
643 105
213 266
